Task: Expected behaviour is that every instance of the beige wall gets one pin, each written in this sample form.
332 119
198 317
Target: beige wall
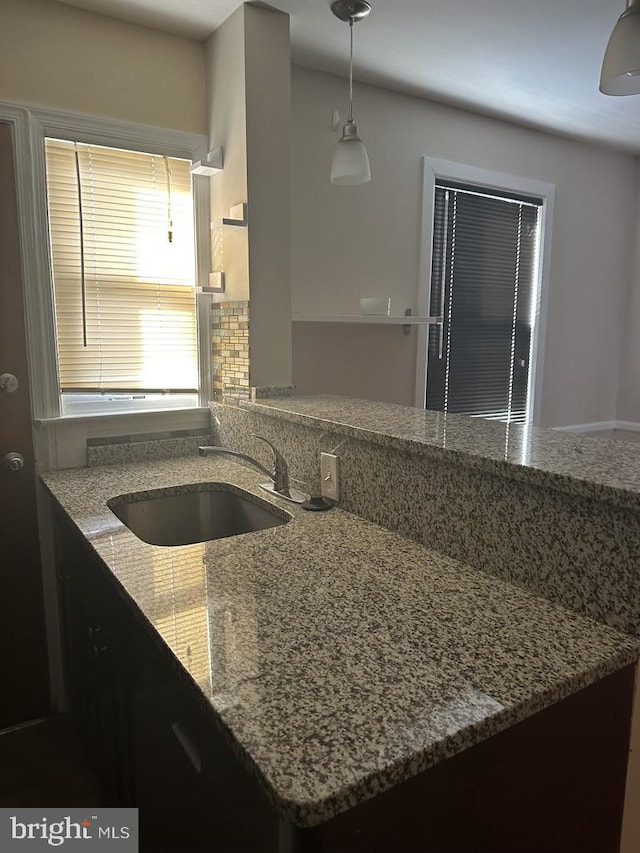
227 125
53 55
629 388
349 242
374 362
268 94
248 83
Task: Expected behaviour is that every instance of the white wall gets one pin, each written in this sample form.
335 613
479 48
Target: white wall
53 55
349 242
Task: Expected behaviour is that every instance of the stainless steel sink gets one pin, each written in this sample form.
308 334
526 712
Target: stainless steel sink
196 513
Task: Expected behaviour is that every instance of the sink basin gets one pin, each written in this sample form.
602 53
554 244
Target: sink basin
197 513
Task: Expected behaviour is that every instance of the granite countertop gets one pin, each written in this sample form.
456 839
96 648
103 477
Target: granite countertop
342 658
576 464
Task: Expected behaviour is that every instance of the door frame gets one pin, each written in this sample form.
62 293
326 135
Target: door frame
36 272
434 169
23 581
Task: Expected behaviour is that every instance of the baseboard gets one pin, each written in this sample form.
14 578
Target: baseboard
601 426
594 426
629 426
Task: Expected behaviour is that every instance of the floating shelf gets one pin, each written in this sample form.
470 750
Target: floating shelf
216 283
237 216
381 319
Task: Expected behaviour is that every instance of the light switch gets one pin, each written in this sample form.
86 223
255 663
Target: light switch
330 476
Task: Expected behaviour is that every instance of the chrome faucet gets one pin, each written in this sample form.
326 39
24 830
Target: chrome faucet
279 477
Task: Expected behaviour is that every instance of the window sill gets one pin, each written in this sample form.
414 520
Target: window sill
62 442
191 413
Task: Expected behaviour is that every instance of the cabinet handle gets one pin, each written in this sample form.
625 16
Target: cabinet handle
186 742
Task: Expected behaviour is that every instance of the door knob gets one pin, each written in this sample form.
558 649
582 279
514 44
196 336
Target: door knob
8 383
13 461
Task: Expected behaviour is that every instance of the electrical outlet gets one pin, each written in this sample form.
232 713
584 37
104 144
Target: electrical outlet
330 476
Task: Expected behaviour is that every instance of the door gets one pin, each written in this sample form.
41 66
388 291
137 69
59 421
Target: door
484 283
23 652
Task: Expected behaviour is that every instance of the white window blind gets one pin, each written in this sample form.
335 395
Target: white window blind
484 283
122 245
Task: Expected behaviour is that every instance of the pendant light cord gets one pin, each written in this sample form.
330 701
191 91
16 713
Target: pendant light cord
167 169
83 280
351 72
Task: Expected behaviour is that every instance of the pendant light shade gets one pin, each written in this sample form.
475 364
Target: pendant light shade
350 162
621 64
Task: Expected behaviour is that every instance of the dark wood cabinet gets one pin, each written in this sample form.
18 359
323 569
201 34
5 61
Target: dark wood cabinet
97 669
553 783
152 739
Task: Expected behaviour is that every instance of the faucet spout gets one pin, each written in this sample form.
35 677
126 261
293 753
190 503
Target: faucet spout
279 477
214 450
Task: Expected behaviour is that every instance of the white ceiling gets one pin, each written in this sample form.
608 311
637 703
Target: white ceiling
533 61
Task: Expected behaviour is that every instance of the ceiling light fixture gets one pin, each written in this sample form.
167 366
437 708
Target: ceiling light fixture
350 162
621 64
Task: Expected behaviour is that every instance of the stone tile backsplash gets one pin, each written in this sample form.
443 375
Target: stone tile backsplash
229 347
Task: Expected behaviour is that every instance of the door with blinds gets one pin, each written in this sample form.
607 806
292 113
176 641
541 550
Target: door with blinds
122 249
484 283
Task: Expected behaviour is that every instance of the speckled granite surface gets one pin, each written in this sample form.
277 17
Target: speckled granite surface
136 449
591 467
578 551
266 392
342 658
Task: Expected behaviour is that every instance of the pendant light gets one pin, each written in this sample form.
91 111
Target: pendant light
621 64
350 162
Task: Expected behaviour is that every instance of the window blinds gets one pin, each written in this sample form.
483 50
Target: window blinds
122 246
484 283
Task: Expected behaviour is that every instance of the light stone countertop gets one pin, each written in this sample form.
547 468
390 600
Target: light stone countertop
341 657
574 463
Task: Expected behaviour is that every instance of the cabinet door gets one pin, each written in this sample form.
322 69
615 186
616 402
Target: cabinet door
155 741
189 786
96 665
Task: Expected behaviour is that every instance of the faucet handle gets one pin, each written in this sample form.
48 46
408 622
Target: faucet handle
280 468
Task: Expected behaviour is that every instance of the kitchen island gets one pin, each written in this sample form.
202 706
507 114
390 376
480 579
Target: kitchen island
339 659
342 662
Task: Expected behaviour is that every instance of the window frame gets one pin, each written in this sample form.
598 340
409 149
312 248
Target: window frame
30 127
434 169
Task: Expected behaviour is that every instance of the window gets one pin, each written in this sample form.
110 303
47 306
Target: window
484 283
122 250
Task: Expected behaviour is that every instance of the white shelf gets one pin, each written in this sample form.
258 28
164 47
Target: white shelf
381 319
